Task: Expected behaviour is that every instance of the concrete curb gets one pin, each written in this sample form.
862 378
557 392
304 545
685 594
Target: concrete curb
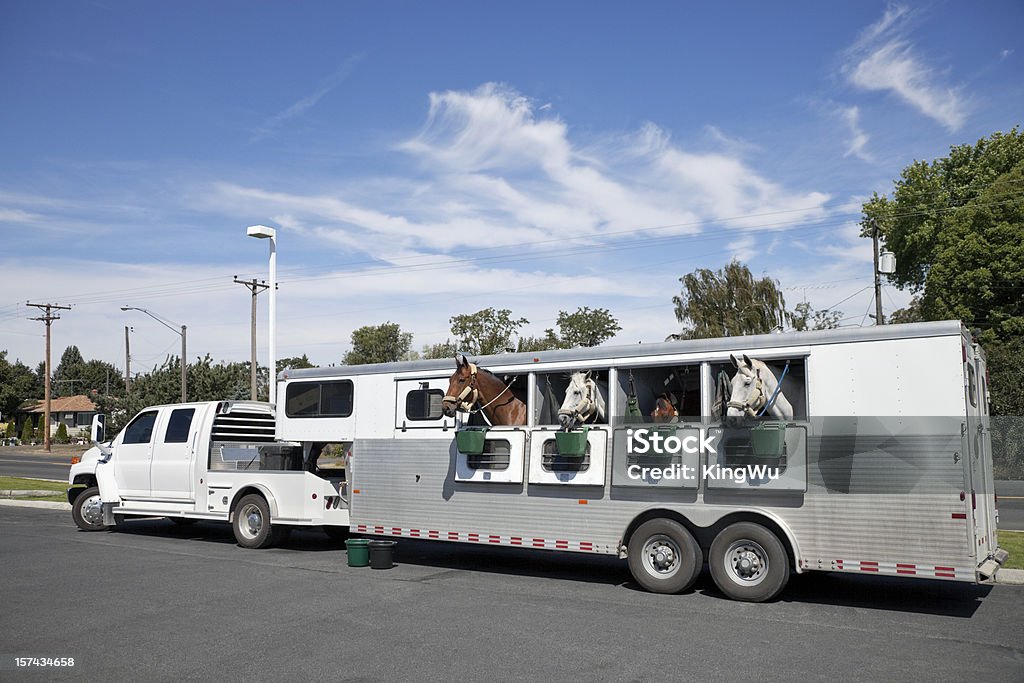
27 493
46 504
1010 577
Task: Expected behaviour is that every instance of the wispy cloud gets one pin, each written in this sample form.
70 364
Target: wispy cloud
858 138
883 58
304 104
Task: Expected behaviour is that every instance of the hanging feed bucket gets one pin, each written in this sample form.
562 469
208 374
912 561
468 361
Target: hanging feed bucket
768 440
358 551
470 441
382 554
572 444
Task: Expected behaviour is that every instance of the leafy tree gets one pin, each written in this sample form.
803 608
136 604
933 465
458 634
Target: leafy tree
727 303
486 332
549 341
803 317
66 380
385 343
955 225
295 362
586 327
12 430
445 349
910 314
27 430
62 434
17 384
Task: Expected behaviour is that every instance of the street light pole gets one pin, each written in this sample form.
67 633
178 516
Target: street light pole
263 232
184 353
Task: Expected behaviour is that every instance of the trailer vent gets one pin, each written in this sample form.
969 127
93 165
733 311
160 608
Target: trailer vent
240 426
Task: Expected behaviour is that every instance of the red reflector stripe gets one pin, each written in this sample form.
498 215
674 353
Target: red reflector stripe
396 530
959 515
474 537
516 540
494 539
945 569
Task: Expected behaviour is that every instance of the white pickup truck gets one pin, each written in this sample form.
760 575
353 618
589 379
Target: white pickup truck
216 460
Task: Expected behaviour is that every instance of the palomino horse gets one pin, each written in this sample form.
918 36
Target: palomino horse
583 401
470 385
755 391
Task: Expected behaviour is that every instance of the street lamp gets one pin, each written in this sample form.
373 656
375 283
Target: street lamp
184 355
263 232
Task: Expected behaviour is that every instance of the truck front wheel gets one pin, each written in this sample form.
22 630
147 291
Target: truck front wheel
87 510
252 522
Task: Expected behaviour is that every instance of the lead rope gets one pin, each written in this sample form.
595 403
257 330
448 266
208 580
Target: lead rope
775 394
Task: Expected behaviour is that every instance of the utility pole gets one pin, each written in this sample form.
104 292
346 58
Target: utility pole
879 320
48 317
127 364
255 288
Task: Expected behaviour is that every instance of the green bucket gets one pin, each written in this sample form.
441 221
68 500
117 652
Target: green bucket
358 552
572 444
470 441
768 440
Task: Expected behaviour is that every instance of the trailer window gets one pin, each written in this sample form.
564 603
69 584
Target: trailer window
972 385
178 426
319 399
495 456
141 429
424 404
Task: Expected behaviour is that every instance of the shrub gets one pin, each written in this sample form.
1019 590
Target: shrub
62 434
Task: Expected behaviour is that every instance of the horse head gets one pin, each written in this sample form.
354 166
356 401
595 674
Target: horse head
755 391
583 401
462 391
664 409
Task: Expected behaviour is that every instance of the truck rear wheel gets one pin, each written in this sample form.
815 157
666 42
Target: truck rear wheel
252 522
664 557
87 510
748 562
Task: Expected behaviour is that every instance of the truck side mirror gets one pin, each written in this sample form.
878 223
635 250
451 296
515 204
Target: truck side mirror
98 430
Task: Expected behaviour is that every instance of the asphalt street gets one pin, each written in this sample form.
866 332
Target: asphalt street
155 601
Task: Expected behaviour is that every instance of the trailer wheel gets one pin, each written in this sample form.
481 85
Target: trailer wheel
88 510
664 557
252 522
748 562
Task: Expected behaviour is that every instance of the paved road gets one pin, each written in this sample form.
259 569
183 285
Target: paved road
157 601
1011 504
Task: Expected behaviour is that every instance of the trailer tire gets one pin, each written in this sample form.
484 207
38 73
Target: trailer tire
749 563
664 557
87 510
251 523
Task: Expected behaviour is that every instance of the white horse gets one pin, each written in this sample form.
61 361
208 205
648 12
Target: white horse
754 387
583 402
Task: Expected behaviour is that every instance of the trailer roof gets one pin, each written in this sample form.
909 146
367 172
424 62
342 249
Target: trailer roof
719 344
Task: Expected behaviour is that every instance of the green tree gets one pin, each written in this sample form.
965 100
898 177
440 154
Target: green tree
486 332
12 430
586 327
549 341
66 379
804 317
17 384
41 427
955 225
445 349
27 430
296 363
727 303
62 434
385 343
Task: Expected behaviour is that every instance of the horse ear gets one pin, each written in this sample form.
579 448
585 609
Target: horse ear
747 360
460 360
735 363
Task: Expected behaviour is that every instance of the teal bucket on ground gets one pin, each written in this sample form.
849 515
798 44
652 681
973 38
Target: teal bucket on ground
358 550
768 440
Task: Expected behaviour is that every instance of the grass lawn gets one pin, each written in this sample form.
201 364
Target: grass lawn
19 484
1013 543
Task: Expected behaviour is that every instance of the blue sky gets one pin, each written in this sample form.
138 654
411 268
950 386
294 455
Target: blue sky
425 159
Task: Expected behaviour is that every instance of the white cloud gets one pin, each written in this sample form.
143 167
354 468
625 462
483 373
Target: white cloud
858 138
883 58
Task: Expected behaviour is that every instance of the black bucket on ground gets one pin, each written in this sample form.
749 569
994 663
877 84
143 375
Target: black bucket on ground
382 554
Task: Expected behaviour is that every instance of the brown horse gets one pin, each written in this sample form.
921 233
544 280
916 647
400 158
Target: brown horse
665 409
470 385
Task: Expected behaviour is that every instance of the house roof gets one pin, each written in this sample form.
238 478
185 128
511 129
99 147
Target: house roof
67 404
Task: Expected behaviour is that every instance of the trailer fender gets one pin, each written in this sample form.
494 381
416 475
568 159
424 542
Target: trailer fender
259 489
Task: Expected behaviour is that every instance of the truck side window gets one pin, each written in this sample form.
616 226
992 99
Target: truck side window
141 429
179 424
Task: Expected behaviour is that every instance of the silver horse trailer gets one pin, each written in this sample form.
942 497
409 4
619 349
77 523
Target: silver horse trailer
881 464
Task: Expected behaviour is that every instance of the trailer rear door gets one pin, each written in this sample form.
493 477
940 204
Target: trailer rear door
978 442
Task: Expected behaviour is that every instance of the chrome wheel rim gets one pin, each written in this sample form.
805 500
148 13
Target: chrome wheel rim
746 562
92 511
251 521
661 556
